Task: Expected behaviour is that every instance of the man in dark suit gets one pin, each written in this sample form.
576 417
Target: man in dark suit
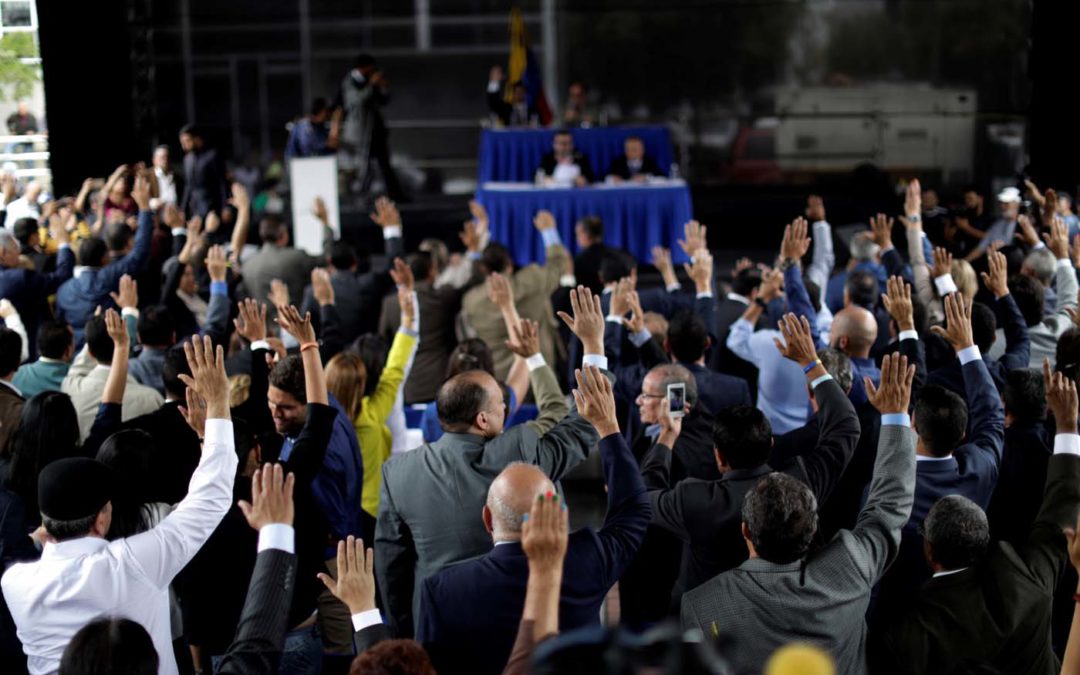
592 252
728 310
517 112
706 515
634 165
564 166
687 342
990 603
947 465
205 189
469 612
28 289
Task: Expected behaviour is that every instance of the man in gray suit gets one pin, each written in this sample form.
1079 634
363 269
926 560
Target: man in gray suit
431 496
277 260
786 593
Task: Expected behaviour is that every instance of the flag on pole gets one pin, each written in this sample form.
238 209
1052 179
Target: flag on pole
524 67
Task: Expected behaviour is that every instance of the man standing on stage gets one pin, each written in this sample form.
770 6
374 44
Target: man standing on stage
357 128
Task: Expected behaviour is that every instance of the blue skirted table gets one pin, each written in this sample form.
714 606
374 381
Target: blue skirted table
513 155
636 217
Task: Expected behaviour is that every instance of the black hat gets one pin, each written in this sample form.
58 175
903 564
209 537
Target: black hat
74 488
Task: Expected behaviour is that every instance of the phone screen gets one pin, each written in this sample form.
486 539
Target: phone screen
676 399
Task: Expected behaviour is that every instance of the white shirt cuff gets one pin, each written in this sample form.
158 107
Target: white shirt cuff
551 237
909 335
129 311
568 281
177 231
969 354
64 245
641 337
614 318
1064 262
493 86
706 294
671 288
818 380
535 361
945 284
260 344
362 620
277 535
1067 444
596 360
391 232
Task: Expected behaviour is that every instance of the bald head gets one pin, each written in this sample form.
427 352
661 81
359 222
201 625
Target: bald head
471 402
854 331
511 496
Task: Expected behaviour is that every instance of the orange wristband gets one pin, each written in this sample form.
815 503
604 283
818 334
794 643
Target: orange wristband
309 345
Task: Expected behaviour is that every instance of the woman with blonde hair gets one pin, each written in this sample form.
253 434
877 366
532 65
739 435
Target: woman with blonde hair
346 378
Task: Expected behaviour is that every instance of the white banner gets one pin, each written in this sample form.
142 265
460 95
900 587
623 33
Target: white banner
311 178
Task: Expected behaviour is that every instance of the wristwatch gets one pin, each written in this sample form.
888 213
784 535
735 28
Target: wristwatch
915 218
761 303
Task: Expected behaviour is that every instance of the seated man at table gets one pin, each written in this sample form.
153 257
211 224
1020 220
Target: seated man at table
564 166
634 165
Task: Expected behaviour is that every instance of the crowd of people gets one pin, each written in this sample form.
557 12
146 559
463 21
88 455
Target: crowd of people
207 464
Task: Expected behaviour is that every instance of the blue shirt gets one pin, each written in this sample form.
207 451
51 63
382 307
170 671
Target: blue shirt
338 484
306 140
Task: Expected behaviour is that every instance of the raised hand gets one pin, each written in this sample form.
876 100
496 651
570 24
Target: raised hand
595 400
544 535
696 238
893 395
898 303
271 497
194 412
958 322
478 212
58 229
912 217
355 583
386 213
701 270
1061 398
620 297
402 275
318 209
661 259
128 297
1026 230
208 377
321 288
140 192
251 324
796 242
240 198
1057 240
588 320
815 208
772 285
216 263
742 264
544 220
1049 205
636 323
117 330
997 280
881 230
292 323
471 235
524 338
212 222
798 344
500 292
408 307
279 293
942 262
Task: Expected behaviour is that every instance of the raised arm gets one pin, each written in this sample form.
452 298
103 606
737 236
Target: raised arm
986 415
382 399
217 313
881 227
260 635
160 553
897 302
793 247
109 412
550 402
310 446
134 262
823 258
1017 342
1064 276
501 294
743 329
892 487
242 201
555 253
838 431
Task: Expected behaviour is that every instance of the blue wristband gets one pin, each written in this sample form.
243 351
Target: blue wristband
815 364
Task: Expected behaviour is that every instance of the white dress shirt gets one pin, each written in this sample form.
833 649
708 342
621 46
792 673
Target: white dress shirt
781 383
79 580
166 186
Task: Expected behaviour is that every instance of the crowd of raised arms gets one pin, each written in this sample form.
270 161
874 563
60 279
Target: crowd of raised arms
212 455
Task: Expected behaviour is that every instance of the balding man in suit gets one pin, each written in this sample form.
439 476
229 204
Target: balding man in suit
854 331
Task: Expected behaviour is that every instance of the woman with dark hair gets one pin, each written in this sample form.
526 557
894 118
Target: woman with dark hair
109 646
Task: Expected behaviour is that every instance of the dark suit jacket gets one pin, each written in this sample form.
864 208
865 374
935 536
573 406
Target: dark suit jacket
176 451
1017 351
619 167
439 308
997 611
11 405
205 189
547 165
504 110
718 391
587 265
724 360
972 472
1021 481
260 637
28 290
706 515
469 612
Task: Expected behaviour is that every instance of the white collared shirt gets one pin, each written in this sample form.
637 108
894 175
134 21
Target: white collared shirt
79 580
739 298
166 186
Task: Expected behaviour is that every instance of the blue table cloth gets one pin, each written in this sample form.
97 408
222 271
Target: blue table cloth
636 217
513 155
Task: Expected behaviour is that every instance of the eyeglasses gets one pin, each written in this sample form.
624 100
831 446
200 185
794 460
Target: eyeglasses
646 395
